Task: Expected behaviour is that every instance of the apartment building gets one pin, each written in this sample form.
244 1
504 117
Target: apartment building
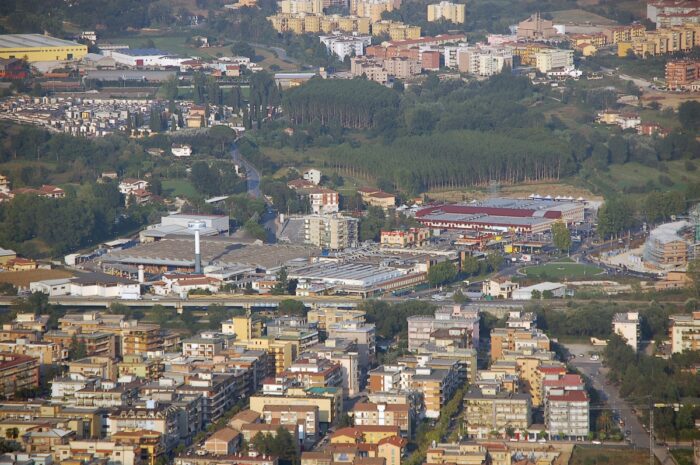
490 409
312 372
567 414
368 68
100 344
373 9
396 30
627 33
300 6
305 418
244 327
383 414
308 23
422 330
505 339
464 360
141 367
45 352
346 45
333 232
327 400
468 453
343 353
437 387
364 335
448 11
98 450
17 372
627 325
552 59
323 317
201 347
662 41
681 74
152 416
685 332
94 367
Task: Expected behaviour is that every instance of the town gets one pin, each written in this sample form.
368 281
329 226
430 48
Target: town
365 232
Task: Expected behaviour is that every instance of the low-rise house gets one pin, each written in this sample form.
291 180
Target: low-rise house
223 442
181 150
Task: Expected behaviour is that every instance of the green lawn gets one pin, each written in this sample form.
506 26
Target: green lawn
619 177
562 270
683 456
179 187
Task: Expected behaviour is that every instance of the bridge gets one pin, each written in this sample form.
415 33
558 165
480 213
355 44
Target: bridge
200 301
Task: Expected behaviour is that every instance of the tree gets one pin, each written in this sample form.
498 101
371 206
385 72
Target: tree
536 295
292 307
282 284
615 216
689 115
77 349
470 265
243 49
561 236
442 273
694 274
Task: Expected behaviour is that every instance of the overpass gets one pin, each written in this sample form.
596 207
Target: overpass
199 301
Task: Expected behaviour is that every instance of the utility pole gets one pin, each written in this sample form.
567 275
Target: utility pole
651 431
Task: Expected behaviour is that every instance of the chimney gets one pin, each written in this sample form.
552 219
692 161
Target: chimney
196 226
142 279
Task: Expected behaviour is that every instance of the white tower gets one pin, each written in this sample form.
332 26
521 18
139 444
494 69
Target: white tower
196 226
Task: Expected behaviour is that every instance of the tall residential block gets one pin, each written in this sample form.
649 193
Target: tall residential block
454 12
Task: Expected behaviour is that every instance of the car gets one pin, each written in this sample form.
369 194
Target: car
597 443
595 358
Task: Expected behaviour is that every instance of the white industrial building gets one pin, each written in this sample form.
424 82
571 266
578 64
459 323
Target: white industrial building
558 290
179 224
89 285
181 150
145 57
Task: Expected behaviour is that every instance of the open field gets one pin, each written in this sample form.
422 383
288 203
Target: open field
683 456
179 187
620 177
608 455
580 17
514 191
560 270
669 99
23 278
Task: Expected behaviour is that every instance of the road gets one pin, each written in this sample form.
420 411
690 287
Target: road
269 219
594 370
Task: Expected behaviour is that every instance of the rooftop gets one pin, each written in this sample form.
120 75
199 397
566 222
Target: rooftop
33 40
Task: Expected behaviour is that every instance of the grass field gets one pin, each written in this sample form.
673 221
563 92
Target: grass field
580 16
683 456
562 270
608 456
619 177
179 187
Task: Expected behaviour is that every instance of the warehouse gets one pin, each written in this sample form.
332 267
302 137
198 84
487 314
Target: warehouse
145 57
36 47
176 253
498 214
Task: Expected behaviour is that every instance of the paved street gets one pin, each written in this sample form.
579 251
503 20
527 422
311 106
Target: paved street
609 393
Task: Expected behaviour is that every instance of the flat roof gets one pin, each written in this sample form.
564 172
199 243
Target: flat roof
34 40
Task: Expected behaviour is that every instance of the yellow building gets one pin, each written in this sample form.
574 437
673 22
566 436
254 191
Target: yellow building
36 47
454 12
325 317
328 406
282 353
244 327
662 41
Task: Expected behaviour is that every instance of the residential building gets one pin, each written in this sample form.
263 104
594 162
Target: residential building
181 150
333 232
567 414
680 74
245 327
313 175
490 409
411 237
153 417
328 401
364 335
668 245
625 33
383 414
343 45
342 352
499 288
324 317
300 6
437 387
304 418
106 450
467 453
223 442
685 332
373 9
375 197
512 339
627 325
94 367
555 58
17 373
453 12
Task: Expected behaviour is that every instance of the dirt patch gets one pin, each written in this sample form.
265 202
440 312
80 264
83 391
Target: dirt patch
669 99
515 191
23 278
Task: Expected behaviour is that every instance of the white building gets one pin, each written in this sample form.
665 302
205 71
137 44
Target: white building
344 45
567 413
627 326
181 150
128 186
555 58
451 52
454 12
484 61
313 175
89 285
145 57
178 224
558 290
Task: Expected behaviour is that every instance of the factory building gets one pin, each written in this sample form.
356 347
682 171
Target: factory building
37 47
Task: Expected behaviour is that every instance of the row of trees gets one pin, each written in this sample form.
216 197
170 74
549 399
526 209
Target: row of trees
216 179
356 104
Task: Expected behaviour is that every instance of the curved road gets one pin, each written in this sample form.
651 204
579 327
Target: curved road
269 218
